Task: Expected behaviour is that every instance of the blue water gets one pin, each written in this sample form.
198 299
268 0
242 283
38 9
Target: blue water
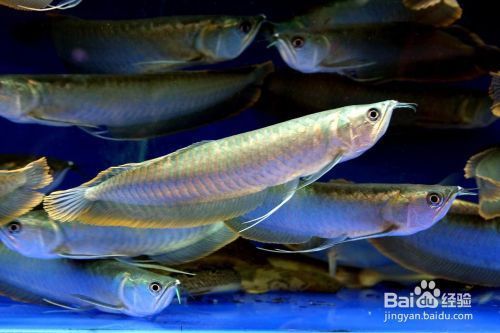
420 156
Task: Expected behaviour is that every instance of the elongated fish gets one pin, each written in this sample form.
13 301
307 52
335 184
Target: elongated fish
291 94
485 168
324 214
19 189
394 51
105 285
130 106
157 44
40 5
35 235
57 169
354 12
462 247
219 180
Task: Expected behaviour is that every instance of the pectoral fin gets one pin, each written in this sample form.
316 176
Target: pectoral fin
313 245
97 303
90 256
305 181
67 307
152 266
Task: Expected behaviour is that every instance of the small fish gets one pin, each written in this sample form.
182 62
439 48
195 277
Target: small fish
20 189
58 169
130 106
105 285
485 168
157 44
291 94
239 266
343 13
394 51
219 180
35 235
40 5
325 214
462 247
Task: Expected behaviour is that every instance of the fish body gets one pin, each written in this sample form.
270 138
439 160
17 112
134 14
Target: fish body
105 285
222 179
485 168
393 51
157 44
35 235
462 247
20 189
348 211
293 94
130 106
353 12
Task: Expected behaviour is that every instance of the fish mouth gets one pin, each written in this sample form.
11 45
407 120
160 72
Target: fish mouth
284 48
166 294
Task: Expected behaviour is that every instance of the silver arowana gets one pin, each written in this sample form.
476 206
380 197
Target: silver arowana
219 180
130 106
105 285
36 235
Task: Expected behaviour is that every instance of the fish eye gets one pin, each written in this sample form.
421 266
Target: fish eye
155 287
14 227
246 27
298 42
434 199
373 114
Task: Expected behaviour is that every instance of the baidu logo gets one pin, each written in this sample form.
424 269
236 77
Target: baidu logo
427 295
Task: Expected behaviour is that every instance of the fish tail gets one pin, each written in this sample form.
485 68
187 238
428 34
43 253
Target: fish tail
67 205
37 174
495 93
471 165
23 199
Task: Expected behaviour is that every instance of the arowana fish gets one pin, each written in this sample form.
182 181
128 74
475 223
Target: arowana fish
105 285
37 236
130 106
155 44
219 180
462 247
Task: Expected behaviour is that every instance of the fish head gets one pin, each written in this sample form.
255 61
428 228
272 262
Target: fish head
357 128
16 97
303 52
419 207
144 293
33 235
227 37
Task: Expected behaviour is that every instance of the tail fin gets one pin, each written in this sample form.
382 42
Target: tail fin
67 205
218 237
25 197
495 93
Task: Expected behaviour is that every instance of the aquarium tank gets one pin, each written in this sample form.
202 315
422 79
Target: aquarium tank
326 165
